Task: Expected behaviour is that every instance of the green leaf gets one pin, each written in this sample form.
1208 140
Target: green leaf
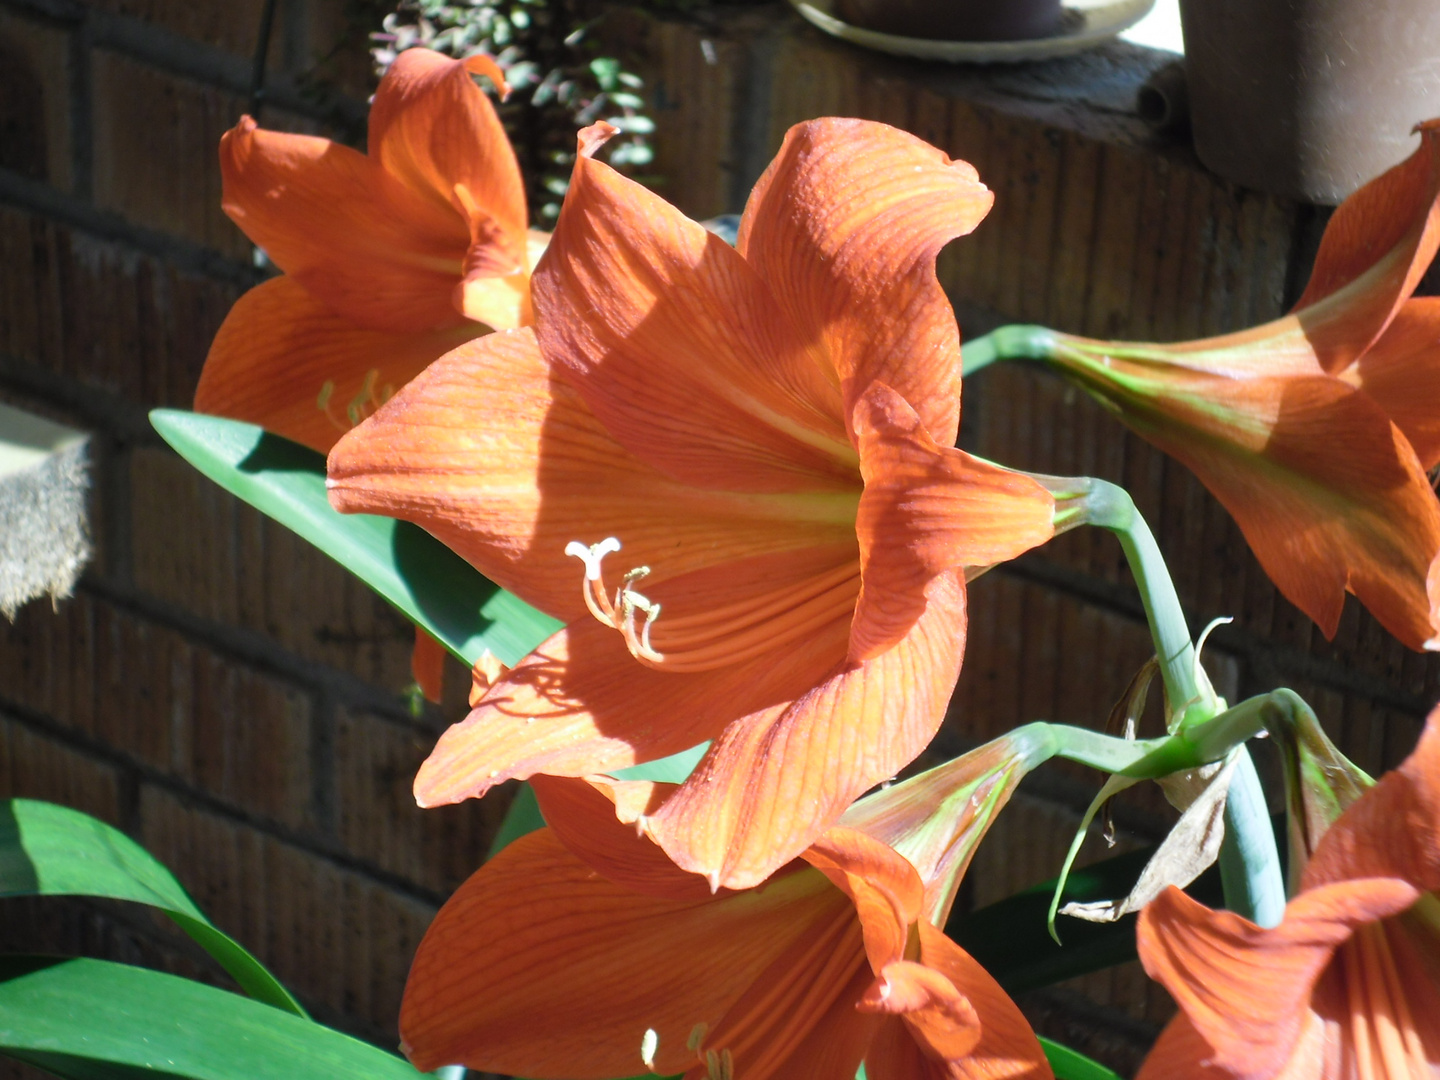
98 1020
1073 1065
49 850
667 770
1010 940
524 814
521 818
425 580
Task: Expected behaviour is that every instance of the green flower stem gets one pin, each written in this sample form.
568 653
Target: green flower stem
1147 759
1249 858
1015 342
1099 502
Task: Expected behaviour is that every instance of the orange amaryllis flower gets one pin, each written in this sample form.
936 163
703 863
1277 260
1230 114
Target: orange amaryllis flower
764 436
607 960
1316 430
1348 985
391 258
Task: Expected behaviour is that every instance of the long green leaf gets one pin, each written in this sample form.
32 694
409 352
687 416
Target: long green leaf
425 580
1073 1065
97 1020
49 850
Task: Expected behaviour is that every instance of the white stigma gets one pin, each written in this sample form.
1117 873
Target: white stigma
649 1043
620 610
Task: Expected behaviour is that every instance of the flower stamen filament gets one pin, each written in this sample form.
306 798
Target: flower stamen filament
618 612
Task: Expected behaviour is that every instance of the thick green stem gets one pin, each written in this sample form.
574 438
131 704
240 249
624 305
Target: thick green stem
1110 507
1249 857
1250 860
1007 343
1148 759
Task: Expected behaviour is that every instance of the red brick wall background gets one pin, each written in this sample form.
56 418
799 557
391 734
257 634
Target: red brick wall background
231 698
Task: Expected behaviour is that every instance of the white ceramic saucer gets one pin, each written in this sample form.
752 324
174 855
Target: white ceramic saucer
1087 23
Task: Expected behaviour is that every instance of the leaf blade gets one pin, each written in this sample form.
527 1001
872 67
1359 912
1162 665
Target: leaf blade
136 1019
51 850
425 580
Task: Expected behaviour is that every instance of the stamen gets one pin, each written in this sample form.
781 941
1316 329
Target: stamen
649 1043
620 611
719 1066
322 402
369 398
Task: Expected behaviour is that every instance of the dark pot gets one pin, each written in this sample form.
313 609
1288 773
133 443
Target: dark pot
1309 98
955 20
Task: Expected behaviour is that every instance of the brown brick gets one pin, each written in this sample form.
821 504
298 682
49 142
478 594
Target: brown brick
375 765
155 696
157 139
103 315
340 940
201 549
230 26
35 100
35 766
692 95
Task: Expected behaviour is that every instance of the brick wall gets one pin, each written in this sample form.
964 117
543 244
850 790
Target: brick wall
216 687
231 698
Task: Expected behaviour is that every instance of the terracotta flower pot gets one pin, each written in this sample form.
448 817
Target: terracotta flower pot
1309 98
955 20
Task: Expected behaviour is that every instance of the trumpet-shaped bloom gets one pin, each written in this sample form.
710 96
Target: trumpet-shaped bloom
608 960
1316 430
748 453
1348 985
391 258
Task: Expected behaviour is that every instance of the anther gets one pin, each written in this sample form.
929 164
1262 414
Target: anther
620 610
649 1043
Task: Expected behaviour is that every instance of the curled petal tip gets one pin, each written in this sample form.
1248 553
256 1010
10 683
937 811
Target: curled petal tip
713 877
594 137
483 65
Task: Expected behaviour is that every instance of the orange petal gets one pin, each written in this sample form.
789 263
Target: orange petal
432 128
583 819
679 349
587 966
830 1050
284 361
1401 372
1380 999
1181 1053
580 704
1007 1047
774 780
357 239
937 818
502 461
1393 830
844 227
940 1019
895 1055
1328 492
802 1001
1375 249
885 889
927 509
427 665
1247 990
